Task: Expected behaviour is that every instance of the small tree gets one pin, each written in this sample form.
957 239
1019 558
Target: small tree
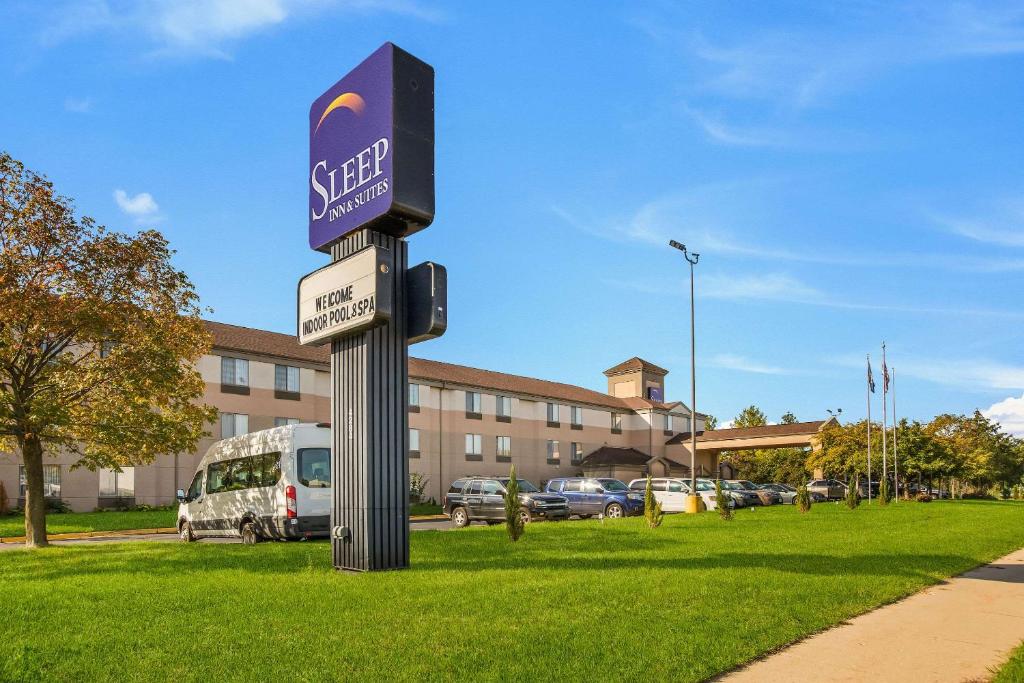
417 485
652 508
803 498
852 497
513 518
884 494
722 502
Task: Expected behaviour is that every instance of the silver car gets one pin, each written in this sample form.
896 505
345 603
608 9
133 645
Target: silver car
785 494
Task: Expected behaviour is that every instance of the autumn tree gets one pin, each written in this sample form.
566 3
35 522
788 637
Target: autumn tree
784 465
99 335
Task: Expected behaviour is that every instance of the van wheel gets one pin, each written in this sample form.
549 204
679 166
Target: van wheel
614 511
249 534
460 517
185 532
525 516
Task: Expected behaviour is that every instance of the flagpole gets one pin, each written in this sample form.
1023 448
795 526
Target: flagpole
869 427
885 448
895 458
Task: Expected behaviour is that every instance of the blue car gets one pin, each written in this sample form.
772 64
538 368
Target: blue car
596 496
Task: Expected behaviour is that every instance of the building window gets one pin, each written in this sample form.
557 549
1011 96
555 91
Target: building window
414 396
51 481
472 404
576 453
576 417
414 443
503 448
285 421
616 423
553 457
233 424
668 422
503 408
114 484
286 378
474 447
234 371
552 414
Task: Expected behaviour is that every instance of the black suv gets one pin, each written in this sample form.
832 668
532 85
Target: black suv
483 498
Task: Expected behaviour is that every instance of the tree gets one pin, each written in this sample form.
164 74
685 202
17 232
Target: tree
99 335
710 422
513 515
788 419
751 416
803 498
652 508
722 502
852 496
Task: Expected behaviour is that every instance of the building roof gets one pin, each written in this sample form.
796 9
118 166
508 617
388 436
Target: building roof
632 365
797 428
614 455
285 346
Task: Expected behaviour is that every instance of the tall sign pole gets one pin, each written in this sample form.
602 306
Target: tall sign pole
371 185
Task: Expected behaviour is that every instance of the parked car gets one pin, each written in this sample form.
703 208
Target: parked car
483 498
862 488
274 483
831 489
764 497
672 492
740 495
589 496
786 493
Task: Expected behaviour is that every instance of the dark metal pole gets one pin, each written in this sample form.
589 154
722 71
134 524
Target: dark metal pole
370 428
692 259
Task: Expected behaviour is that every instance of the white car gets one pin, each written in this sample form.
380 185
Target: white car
672 492
274 483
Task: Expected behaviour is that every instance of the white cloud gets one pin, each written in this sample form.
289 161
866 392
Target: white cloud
768 286
743 364
141 207
78 105
972 374
719 131
1009 413
1004 227
806 67
201 27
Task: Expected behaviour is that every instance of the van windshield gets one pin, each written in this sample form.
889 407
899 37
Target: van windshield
314 467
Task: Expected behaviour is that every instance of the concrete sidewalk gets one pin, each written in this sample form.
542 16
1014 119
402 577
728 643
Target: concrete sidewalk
956 631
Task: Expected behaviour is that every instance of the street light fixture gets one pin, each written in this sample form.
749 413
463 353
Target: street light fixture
837 413
693 502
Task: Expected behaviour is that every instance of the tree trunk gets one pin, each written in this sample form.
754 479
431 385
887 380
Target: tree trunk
35 500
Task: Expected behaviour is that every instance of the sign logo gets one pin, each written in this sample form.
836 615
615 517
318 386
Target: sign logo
348 100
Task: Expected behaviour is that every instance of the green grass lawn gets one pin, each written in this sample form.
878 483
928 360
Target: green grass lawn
1013 670
69 522
571 600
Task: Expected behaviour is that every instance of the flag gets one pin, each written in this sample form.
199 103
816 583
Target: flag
885 377
871 379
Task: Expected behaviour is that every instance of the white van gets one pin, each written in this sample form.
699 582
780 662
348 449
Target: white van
275 483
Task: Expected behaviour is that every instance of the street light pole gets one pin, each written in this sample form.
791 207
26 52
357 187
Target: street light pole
693 502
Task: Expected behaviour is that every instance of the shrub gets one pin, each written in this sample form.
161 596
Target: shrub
417 485
652 508
803 498
852 497
884 494
722 502
513 520
923 497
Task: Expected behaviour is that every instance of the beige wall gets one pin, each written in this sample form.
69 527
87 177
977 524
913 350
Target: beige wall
441 420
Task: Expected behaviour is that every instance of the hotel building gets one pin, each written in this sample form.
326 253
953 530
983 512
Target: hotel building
462 421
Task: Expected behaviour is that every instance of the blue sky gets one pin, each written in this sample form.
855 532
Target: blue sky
849 173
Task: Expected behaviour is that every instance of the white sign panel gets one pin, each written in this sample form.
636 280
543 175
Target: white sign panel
344 298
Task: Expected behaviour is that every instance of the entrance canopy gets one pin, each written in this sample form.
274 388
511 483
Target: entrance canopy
798 434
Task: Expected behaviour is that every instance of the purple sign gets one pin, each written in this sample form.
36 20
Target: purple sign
655 394
356 176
